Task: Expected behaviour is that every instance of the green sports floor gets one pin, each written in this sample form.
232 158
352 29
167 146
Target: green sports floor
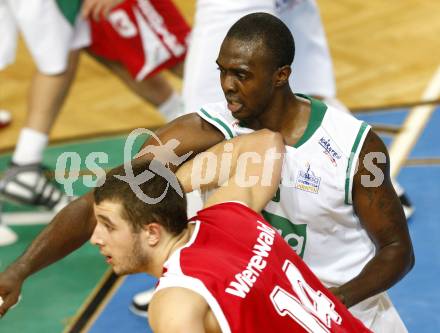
52 297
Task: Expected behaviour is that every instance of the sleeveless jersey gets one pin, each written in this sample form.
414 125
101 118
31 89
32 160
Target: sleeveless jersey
312 208
146 36
251 278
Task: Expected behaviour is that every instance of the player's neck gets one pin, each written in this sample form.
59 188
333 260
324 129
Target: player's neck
296 120
167 248
283 104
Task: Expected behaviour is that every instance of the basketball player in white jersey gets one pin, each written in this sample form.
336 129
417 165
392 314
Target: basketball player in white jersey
336 205
313 68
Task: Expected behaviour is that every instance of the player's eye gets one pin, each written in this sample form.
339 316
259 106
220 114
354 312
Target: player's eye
222 71
109 227
242 76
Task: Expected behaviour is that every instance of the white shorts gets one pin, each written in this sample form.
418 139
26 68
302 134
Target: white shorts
47 33
312 68
379 314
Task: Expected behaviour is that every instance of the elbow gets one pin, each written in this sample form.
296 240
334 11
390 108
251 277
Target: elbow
407 258
272 139
411 260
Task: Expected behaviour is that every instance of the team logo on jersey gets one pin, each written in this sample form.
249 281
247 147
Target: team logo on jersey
294 234
331 153
307 180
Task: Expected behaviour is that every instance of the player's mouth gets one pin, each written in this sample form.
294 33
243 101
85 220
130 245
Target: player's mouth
108 259
234 106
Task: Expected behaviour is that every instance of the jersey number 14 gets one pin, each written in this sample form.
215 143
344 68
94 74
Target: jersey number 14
310 308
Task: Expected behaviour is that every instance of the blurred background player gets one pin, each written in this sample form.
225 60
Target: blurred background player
136 41
53 42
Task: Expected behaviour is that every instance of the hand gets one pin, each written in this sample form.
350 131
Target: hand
96 9
338 293
10 288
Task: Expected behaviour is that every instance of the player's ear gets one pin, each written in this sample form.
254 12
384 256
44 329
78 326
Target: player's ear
282 75
152 233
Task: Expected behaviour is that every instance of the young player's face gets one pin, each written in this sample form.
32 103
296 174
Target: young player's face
246 77
117 241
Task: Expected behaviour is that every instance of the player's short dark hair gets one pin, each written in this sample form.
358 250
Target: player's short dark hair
170 212
274 34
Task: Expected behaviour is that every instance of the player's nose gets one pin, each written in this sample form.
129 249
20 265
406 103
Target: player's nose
229 84
96 239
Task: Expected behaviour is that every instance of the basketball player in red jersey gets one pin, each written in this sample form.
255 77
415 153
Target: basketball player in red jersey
226 270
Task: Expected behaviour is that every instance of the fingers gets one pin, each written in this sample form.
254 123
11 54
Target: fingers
6 303
97 9
87 8
105 11
92 9
3 308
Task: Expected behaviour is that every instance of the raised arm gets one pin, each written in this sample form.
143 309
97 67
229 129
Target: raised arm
381 214
74 224
245 169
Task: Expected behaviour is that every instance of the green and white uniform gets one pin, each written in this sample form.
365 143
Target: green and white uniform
313 209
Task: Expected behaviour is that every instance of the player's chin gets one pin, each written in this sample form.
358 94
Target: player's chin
119 272
123 271
242 114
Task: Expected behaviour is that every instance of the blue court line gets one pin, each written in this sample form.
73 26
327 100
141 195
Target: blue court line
116 317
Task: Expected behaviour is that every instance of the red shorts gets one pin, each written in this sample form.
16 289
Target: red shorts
146 36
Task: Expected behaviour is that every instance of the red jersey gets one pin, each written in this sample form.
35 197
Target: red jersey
251 278
146 36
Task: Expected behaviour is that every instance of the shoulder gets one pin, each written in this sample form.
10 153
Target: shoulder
218 114
166 313
345 130
373 150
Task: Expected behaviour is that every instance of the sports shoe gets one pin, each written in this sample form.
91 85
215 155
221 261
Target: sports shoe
408 208
28 184
5 118
7 236
139 305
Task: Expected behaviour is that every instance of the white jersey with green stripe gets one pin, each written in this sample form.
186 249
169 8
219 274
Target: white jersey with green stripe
312 208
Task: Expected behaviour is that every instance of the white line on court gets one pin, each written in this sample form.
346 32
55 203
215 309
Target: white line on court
27 218
413 126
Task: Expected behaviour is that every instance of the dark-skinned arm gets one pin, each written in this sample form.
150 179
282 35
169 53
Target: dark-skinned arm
381 214
74 224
